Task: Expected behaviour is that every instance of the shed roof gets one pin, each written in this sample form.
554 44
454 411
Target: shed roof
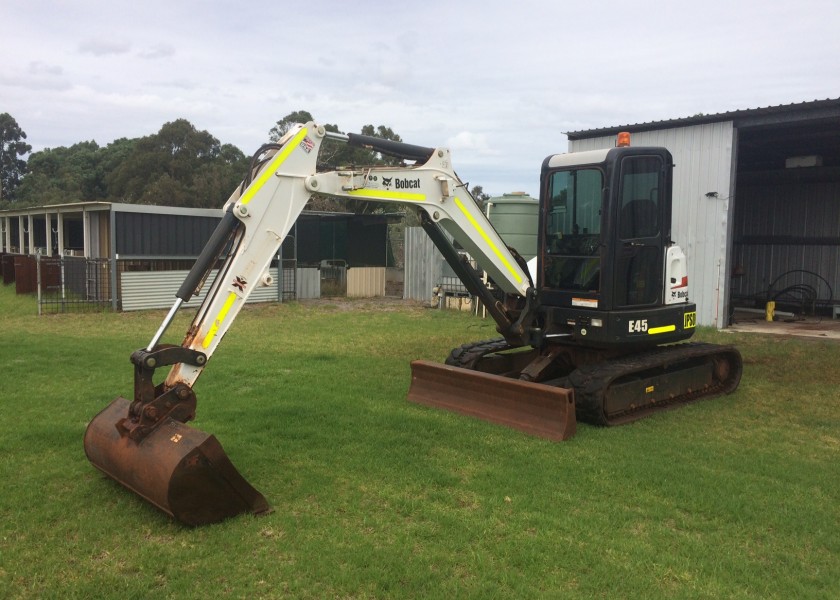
157 209
783 113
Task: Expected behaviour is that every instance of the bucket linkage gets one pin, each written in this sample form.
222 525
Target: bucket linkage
146 446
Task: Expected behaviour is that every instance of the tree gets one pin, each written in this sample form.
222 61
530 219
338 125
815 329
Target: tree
479 195
283 125
62 174
178 166
12 146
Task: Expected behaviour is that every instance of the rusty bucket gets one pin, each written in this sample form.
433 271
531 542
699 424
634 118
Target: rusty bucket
534 408
181 470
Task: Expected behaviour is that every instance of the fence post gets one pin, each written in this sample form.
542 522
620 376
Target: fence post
38 279
113 265
279 258
112 224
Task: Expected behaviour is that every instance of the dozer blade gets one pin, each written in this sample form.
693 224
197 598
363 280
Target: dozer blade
181 470
534 408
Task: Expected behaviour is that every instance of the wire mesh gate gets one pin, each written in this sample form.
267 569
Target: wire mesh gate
73 284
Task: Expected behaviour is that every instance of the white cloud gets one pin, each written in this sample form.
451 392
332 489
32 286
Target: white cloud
157 51
499 93
475 143
41 68
104 47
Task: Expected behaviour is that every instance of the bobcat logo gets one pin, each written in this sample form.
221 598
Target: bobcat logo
387 181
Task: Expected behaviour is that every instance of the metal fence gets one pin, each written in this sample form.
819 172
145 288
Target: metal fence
333 278
72 284
288 281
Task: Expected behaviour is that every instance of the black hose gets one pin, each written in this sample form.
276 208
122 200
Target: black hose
772 296
257 164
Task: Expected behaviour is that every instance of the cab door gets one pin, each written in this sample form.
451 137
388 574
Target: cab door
640 228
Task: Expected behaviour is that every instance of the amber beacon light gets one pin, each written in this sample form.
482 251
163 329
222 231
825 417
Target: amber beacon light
623 139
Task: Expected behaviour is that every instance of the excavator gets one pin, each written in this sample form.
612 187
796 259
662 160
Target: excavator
587 330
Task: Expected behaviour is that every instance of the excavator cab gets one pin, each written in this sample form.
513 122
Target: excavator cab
606 230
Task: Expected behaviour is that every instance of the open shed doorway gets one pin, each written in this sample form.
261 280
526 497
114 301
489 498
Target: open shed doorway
786 243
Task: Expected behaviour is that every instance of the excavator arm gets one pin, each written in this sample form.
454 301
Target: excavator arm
144 443
257 220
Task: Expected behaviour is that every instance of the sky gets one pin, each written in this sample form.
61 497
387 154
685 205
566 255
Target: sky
499 83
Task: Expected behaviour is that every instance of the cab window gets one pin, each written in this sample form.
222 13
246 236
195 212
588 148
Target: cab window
573 229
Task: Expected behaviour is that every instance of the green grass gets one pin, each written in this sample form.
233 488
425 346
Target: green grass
375 497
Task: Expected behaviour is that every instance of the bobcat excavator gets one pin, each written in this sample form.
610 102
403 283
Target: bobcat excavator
586 330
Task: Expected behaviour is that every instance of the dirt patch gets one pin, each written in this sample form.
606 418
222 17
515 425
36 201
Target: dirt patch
807 327
380 303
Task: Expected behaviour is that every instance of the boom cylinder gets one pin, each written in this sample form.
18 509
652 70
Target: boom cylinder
205 261
390 147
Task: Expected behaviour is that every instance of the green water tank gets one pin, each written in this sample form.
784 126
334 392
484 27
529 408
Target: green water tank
516 217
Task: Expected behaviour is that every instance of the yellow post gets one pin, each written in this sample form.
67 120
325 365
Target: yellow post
769 311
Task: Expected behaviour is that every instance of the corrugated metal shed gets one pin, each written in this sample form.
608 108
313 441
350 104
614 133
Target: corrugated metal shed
366 282
814 109
422 265
739 209
143 242
769 240
308 283
159 235
157 289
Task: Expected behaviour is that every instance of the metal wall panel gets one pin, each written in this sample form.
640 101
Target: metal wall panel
308 283
365 282
149 234
701 225
787 226
422 265
156 289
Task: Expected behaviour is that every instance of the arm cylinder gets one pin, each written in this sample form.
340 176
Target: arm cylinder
390 147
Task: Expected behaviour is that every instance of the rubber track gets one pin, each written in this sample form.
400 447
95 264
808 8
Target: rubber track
591 382
468 355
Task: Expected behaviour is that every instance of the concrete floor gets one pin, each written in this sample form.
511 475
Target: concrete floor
811 327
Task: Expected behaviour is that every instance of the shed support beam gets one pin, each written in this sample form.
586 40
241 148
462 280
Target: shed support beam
86 233
60 225
31 221
48 227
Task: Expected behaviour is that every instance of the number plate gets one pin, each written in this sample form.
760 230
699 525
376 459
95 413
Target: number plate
689 320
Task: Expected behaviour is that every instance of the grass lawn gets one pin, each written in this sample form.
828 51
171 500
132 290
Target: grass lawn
374 497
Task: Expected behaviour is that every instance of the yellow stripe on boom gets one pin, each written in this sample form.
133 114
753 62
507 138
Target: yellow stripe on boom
388 195
275 163
487 239
219 320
